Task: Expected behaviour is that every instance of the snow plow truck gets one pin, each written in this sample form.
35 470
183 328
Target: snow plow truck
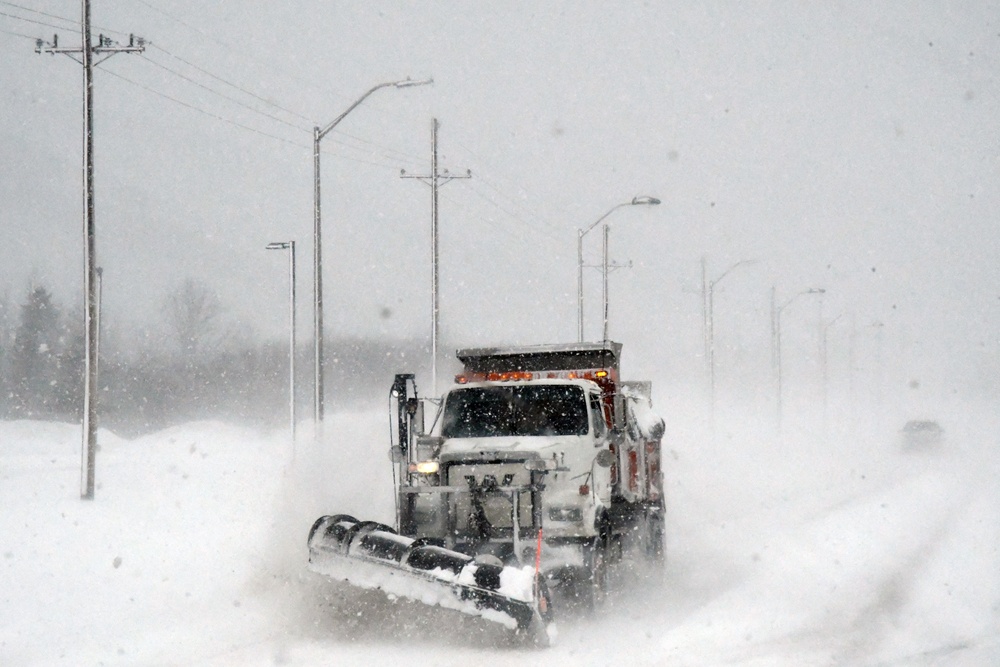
539 470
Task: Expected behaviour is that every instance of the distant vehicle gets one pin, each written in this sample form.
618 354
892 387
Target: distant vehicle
921 434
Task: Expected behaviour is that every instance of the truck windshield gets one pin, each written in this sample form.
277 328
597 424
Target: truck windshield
515 410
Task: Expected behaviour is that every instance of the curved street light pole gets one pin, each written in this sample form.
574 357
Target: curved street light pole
709 305
776 335
580 233
318 134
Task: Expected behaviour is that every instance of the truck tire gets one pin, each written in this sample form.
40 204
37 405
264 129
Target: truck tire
600 555
592 590
653 528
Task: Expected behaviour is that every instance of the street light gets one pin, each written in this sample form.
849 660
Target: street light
290 247
776 334
708 304
636 201
318 134
824 328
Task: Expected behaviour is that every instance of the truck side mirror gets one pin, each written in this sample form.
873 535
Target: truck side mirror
605 458
396 454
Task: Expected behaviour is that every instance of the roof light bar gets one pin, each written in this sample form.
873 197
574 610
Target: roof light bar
598 374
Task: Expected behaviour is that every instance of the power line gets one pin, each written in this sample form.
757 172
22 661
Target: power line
222 95
40 13
47 25
541 220
486 220
356 148
519 187
232 85
492 224
270 64
386 149
411 158
359 160
75 24
555 229
508 197
220 42
549 234
17 34
393 154
539 227
246 127
533 228
202 111
387 152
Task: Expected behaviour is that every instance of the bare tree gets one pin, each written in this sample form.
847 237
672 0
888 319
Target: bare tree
194 313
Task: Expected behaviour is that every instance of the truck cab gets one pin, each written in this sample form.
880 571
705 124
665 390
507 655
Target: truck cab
556 422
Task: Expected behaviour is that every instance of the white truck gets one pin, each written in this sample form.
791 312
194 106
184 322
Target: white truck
539 460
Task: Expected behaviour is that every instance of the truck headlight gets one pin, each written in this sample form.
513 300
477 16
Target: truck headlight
567 514
424 467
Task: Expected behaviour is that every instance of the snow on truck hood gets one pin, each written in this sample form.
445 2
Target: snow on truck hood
540 444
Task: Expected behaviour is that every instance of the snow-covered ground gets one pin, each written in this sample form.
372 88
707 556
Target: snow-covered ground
812 549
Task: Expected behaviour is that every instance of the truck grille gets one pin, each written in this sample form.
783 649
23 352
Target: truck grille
486 511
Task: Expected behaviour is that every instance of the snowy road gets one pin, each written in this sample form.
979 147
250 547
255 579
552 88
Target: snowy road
780 553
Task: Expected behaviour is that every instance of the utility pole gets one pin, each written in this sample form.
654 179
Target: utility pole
87 51
435 180
607 266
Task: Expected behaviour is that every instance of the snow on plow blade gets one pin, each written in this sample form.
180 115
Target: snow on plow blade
373 556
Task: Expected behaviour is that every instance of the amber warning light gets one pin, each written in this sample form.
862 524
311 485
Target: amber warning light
509 376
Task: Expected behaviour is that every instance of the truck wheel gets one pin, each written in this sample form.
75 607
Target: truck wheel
593 590
654 532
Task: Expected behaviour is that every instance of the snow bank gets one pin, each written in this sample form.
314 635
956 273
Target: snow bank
796 551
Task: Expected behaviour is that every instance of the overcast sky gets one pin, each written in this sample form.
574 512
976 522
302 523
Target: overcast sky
845 145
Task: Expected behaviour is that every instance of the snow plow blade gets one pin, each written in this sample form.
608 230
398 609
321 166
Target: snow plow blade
371 555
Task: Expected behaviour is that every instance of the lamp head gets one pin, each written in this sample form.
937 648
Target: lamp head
645 201
409 83
278 245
